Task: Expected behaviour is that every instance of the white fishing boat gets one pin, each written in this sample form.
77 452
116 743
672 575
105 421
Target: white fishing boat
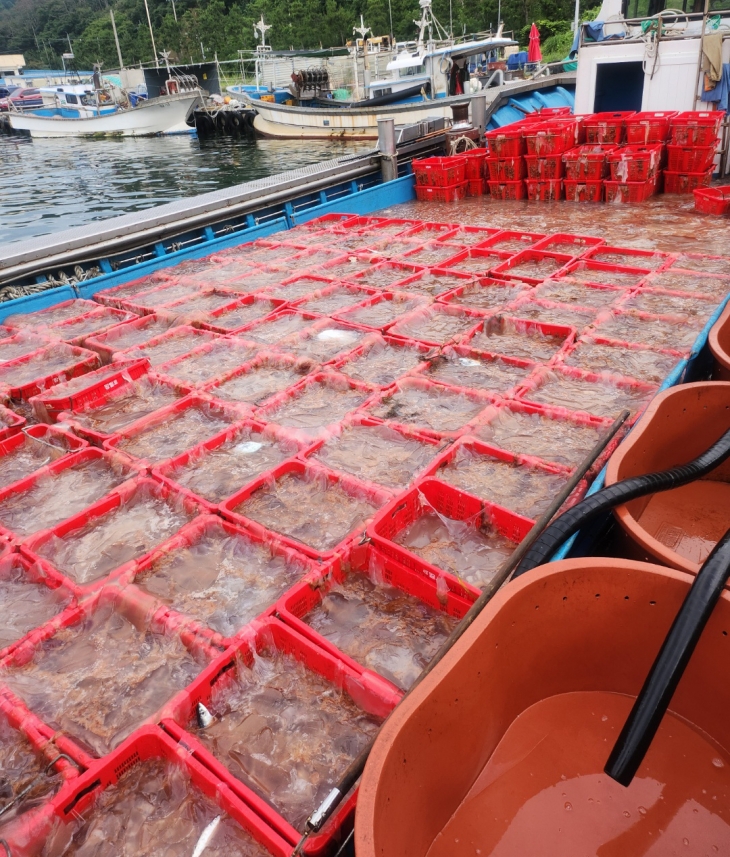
93 110
423 80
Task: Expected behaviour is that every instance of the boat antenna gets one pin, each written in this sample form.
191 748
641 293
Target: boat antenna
152 35
116 40
261 27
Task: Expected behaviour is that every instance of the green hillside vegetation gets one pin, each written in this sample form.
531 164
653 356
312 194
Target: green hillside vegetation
40 29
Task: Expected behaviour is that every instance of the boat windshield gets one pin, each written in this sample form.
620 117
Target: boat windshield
411 70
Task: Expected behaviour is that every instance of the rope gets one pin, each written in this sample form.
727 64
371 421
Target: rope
468 144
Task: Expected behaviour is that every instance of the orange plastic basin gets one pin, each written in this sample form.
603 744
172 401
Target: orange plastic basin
680 527
719 340
500 751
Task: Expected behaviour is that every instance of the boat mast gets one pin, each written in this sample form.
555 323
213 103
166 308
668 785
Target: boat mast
260 28
362 31
116 40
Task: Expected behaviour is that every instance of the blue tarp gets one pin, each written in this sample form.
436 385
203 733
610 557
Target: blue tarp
515 61
721 93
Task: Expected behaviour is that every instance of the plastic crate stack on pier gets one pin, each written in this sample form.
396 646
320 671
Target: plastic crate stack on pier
271 481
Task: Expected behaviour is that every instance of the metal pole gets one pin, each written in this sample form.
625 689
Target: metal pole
387 149
152 35
576 17
116 40
698 85
479 112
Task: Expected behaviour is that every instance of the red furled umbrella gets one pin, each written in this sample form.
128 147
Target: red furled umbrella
534 54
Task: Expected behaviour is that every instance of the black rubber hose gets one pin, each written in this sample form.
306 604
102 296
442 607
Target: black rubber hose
669 666
621 492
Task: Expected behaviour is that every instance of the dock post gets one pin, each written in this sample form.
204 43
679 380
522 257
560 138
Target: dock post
479 113
387 149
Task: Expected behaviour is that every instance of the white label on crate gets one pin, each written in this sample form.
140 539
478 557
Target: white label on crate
467 361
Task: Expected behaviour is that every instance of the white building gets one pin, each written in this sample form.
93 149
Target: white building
11 65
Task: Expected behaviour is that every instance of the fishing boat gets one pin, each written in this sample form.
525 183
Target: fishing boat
97 109
423 80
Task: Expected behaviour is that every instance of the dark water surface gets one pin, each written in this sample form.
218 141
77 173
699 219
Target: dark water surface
47 185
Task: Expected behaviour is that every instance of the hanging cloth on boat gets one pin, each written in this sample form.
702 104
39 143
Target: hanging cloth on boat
712 56
720 93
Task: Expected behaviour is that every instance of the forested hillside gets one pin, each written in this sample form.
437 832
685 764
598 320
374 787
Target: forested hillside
41 28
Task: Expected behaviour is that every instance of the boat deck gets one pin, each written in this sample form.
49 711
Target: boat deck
295 466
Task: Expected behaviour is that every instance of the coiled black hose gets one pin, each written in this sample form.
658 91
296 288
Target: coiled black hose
621 492
669 666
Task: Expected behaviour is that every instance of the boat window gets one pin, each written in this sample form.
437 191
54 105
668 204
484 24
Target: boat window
412 70
71 99
378 92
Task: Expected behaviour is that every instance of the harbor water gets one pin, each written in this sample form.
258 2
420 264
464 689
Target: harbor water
48 185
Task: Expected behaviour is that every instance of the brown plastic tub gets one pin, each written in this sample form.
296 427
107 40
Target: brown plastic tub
719 340
500 751
679 527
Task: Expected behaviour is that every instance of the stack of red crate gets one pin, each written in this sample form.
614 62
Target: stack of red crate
636 164
546 142
476 172
691 150
506 162
441 179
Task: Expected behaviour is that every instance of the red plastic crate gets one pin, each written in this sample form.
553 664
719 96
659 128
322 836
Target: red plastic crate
475 163
447 501
559 242
510 241
472 317
374 495
713 200
92 323
79 361
114 500
85 388
10 423
606 127
690 159
554 413
629 191
477 187
393 297
491 258
126 470
499 323
506 169
42 318
442 193
236 348
166 471
544 168
479 398
75 800
440 172
633 259
648 127
33 575
626 276
553 137
544 190
586 163
686 182
190 536
622 382
163 415
508 190
113 297
507 142
104 344
43 436
506 268
635 163
192 336
304 597
368 691
696 127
